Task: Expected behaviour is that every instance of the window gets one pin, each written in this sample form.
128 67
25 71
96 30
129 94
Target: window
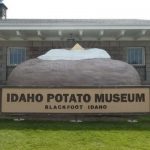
16 55
136 55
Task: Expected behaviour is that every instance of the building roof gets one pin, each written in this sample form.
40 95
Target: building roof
3 5
111 22
74 22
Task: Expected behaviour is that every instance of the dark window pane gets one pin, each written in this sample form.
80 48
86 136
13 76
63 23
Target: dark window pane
135 55
17 55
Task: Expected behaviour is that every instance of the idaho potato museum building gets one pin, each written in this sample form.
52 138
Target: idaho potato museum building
23 39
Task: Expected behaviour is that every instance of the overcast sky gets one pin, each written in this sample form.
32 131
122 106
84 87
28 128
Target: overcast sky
78 9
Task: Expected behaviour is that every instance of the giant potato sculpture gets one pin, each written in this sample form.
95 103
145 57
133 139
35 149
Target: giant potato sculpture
66 68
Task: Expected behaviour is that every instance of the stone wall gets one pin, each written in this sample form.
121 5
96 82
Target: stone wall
3 65
147 58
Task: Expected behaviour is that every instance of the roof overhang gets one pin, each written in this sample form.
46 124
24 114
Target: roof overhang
77 35
86 30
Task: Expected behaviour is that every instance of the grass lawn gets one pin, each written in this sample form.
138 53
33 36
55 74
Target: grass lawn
48 135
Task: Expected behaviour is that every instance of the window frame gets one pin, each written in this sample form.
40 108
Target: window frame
143 56
8 55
